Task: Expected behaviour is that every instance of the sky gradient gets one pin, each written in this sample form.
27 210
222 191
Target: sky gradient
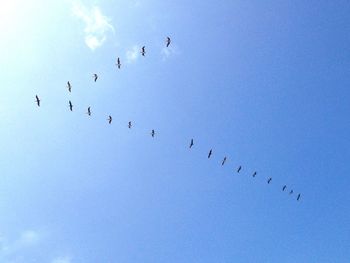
264 83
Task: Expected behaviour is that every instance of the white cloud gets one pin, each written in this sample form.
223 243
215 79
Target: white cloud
132 54
26 240
97 25
167 52
62 260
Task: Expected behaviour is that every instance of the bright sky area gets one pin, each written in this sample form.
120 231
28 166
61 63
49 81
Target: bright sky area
265 83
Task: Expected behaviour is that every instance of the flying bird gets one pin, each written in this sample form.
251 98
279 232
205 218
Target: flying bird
37 100
254 174
239 169
291 192
143 51
168 41
95 77
298 197
210 153
70 106
129 125
191 144
152 133
269 181
224 161
118 63
109 119
284 188
89 111
69 86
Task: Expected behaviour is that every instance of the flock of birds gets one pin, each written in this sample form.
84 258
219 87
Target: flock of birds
109 119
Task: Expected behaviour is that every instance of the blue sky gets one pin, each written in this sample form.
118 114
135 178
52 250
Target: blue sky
264 83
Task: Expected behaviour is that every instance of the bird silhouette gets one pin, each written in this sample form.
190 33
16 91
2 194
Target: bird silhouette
143 51
95 77
291 192
129 125
191 144
69 86
109 119
168 41
118 63
152 133
223 161
269 180
298 197
37 100
70 106
210 153
239 169
284 187
89 111
254 174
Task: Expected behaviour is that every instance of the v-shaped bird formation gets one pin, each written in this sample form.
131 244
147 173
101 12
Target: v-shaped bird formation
152 133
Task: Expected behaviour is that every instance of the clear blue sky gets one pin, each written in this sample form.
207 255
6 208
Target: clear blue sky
265 83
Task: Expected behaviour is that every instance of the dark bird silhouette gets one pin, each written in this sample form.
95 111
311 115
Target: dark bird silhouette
191 144
284 188
168 41
69 86
70 106
143 51
95 77
298 197
118 63
254 174
210 153
89 111
37 100
291 192
224 161
109 119
269 180
129 125
239 169
152 133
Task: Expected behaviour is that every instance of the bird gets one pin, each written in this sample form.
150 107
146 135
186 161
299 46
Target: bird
37 100
95 77
291 192
284 188
223 161
239 169
143 51
118 63
210 153
152 133
298 197
109 119
254 174
70 106
168 41
69 86
191 144
129 125
89 111
269 180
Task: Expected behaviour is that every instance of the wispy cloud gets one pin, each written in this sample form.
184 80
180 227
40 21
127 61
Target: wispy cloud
167 52
27 239
62 260
97 26
132 54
